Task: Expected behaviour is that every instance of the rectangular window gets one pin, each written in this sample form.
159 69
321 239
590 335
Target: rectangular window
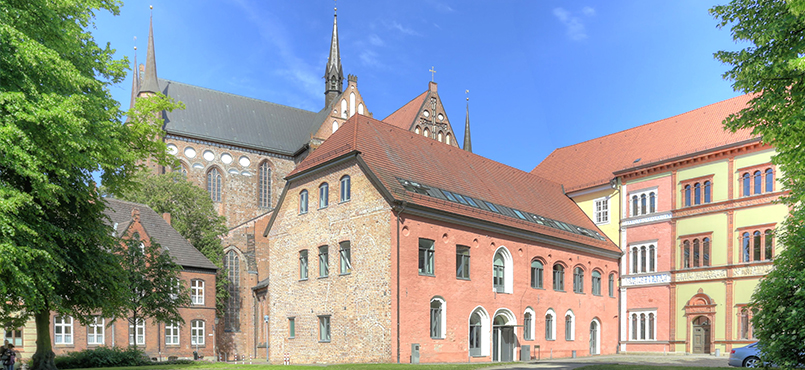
14 337
436 317
172 334
63 330
324 328
324 195
303 264
602 211
197 332
324 261
291 327
303 201
643 325
346 189
426 256
136 332
462 262
197 292
95 331
346 257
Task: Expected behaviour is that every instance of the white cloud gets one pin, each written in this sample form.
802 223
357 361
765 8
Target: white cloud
574 24
370 58
408 31
375 40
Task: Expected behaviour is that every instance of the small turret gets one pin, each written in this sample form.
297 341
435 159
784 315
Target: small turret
333 73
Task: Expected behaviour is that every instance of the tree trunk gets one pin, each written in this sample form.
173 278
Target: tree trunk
43 358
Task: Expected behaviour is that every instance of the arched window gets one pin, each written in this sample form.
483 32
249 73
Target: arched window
351 104
426 132
440 136
346 188
570 325
578 280
706 252
634 205
769 180
643 259
769 245
360 108
437 318
634 327
707 191
651 258
265 185
536 274
558 277
528 324
479 333
550 327
695 252
303 201
344 109
335 126
643 204
232 314
214 184
324 261
686 254
746 246
499 269
417 130
612 284
651 326
596 283
697 193
652 202
324 195
635 261
448 139
746 184
758 182
687 195
757 246
303 264
642 326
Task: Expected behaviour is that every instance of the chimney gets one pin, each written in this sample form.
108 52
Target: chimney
167 217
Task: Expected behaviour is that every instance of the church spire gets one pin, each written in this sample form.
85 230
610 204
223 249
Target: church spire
135 79
467 139
333 73
150 83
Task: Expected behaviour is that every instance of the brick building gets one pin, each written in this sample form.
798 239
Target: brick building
693 208
388 246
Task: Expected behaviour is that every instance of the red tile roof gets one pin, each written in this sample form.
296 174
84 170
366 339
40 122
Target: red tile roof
405 116
392 153
592 163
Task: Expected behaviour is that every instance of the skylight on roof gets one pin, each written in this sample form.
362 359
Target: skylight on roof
491 207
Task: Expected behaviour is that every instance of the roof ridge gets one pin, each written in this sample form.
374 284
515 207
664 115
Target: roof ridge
650 123
239 96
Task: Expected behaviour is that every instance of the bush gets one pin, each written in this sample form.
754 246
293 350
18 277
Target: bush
102 357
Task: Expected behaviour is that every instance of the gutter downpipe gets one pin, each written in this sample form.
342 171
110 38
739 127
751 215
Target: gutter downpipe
400 208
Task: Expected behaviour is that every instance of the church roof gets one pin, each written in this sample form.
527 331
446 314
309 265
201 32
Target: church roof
238 120
182 252
405 116
402 160
593 162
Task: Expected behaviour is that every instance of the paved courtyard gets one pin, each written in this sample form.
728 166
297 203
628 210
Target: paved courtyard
654 360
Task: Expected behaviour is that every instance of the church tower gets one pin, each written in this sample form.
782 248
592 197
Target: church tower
333 73
467 138
150 84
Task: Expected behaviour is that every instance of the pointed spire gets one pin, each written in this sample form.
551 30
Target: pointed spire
150 83
333 73
467 139
135 80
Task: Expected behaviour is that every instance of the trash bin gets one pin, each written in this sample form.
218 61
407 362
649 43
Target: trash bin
195 355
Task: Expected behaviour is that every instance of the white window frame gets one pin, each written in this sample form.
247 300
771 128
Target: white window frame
484 332
552 314
572 325
172 334
634 254
528 332
508 267
197 292
442 317
642 336
638 194
63 330
137 331
95 331
197 332
601 211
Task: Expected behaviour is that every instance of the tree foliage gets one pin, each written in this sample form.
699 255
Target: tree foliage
58 126
193 215
152 281
772 68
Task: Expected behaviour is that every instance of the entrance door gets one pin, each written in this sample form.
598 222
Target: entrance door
507 344
701 335
496 344
593 338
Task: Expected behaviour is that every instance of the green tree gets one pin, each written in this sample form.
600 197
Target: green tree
58 126
772 68
152 281
193 215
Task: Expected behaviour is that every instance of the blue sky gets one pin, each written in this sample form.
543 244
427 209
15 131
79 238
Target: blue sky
541 74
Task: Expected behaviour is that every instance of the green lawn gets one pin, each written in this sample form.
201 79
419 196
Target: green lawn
221 365
646 367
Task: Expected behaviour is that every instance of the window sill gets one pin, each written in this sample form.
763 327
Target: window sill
345 201
426 274
560 290
436 338
320 208
202 345
322 277
580 293
345 273
324 341
305 279
538 287
302 213
462 278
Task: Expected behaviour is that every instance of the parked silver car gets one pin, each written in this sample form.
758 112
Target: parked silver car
748 356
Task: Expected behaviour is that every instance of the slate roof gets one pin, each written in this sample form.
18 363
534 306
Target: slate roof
238 120
405 116
395 154
159 230
593 162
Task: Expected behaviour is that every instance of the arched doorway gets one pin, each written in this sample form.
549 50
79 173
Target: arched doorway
701 335
504 339
595 337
